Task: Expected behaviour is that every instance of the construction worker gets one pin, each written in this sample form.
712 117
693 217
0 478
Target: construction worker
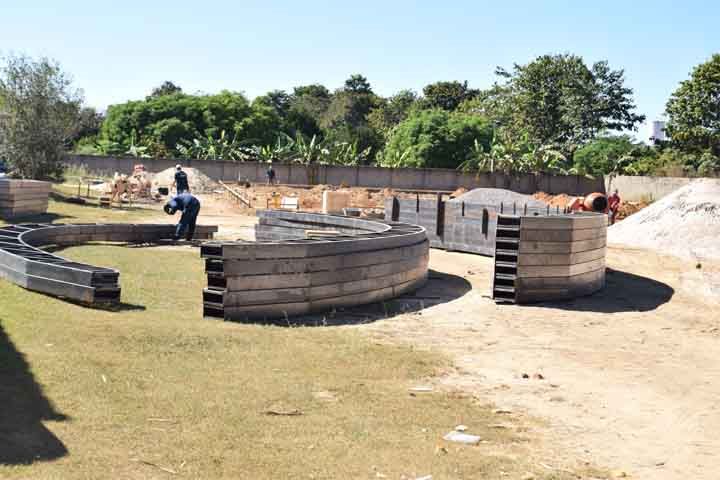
613 205
190 208
271 175
181 180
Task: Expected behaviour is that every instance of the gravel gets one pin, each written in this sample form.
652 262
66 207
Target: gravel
494 196
685 223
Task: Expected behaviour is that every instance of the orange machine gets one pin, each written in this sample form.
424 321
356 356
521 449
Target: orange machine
595 202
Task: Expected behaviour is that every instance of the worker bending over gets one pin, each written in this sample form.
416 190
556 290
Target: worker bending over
190 208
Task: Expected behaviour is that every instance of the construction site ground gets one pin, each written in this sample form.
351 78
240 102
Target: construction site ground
626 379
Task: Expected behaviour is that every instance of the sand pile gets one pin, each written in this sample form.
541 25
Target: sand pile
685 223
495 196
198 181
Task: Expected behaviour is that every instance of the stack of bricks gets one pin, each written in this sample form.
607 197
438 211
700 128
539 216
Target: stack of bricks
20 198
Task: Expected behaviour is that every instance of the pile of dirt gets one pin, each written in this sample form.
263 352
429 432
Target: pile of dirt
561 200
460 191
685 223
496 196
198 181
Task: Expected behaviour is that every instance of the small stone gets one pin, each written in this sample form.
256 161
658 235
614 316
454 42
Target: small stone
459 437
461 428
525 375
538 376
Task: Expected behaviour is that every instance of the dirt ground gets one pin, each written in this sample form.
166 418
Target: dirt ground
626 379
630 379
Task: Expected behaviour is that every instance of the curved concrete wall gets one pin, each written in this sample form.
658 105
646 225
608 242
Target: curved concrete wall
543 258
24 263
286 274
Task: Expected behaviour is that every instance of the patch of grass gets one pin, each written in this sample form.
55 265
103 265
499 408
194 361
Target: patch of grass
60 211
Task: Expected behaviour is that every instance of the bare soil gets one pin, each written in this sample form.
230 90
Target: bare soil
627 379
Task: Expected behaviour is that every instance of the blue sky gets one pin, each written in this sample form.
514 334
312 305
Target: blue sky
120 50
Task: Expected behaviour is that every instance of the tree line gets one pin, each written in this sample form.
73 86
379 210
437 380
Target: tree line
555 114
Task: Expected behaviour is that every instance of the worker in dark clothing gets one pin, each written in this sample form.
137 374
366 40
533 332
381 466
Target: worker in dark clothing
190 208
181 180
271 175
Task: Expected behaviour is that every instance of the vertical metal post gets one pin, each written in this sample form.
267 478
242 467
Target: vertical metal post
463 209
395 213
440 225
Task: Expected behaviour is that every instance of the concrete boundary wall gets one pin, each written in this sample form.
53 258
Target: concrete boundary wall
636 189
287 274
433 179
23 262
544 258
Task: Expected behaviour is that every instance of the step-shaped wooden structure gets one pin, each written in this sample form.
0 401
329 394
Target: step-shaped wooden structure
284 273
542 258
24 263
23 197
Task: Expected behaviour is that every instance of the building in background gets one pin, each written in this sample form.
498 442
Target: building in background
658 132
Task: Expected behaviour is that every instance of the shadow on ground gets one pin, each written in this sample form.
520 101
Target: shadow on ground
623 292
440 288
41 218
23 437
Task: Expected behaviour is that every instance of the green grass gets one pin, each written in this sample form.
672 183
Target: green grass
126 393
60 211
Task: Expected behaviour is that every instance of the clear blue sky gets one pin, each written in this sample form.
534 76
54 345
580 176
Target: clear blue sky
120 50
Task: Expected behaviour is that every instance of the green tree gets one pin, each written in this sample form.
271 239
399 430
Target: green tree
39 113
346 118
694 110
391 111
161 122
436 139
309 104
278 100
167 88
358 84
558 100
447 95
605 155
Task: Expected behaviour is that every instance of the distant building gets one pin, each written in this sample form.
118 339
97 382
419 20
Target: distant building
658 132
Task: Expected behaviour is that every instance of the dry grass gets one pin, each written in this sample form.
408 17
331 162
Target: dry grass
152 390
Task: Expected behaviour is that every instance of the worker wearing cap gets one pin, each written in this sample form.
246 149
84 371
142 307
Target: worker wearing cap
613 205
181 180
190 208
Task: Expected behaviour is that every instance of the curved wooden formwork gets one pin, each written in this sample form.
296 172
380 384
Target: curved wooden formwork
545 258
24 263
352 261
